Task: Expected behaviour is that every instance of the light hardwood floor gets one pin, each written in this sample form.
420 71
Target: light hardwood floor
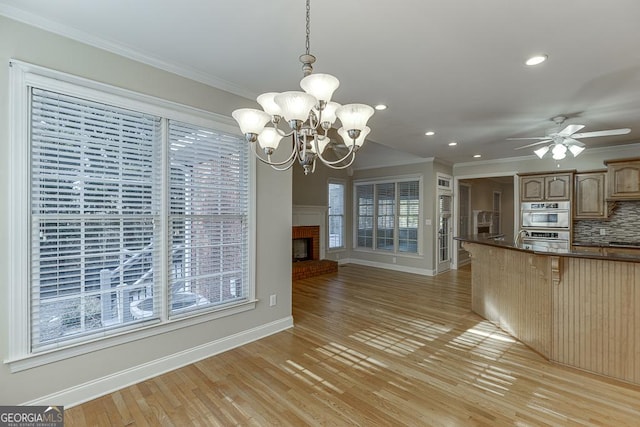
373 347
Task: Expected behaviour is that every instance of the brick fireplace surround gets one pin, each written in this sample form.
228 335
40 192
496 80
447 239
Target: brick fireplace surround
315 266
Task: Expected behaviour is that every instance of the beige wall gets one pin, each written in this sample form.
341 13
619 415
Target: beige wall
273 274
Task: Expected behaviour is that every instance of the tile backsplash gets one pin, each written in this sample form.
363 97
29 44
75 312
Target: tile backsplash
622 226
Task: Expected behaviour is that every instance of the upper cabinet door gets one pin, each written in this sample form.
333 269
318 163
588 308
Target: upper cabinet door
557 187
531 188
624 180
589 196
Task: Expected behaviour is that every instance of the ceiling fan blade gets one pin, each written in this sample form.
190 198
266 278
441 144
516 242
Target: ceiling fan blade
570 130
623 131
533 145
533 137
571 141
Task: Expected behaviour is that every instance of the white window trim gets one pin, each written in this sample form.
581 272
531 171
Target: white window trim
22 75
386 180
445 177
344 215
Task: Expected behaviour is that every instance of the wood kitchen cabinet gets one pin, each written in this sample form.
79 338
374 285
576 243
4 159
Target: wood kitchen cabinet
589 198
623 177
546 187
621 251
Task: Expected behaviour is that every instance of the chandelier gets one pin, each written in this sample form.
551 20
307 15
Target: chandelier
309 115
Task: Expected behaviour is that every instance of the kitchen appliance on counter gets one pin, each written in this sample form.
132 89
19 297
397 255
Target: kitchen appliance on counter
546 240
546 214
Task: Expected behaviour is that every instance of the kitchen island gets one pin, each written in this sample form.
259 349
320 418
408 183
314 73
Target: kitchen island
577 308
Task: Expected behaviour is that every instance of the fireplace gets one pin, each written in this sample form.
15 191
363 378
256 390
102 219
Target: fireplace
305 248
305 242
302 249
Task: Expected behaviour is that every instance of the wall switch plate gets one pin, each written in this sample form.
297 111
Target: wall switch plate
603 231
427 222
272 300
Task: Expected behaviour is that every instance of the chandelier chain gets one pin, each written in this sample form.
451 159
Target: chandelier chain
308 26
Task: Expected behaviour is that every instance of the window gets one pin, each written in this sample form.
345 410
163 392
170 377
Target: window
138 212
409 216
336 215
364 216
386 216
394 208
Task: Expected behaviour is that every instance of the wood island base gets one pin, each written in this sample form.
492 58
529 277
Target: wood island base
573 309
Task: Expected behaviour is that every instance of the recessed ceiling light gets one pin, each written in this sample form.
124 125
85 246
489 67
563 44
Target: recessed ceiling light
430 133
380 107
452 144
535 60
477 155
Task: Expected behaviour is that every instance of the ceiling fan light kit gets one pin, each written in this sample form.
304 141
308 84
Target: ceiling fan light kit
565 140
309 115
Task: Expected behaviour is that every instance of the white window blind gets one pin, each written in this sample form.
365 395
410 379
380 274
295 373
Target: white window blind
394 209
336 215
364 216
385 224
95 202
208 218
408 216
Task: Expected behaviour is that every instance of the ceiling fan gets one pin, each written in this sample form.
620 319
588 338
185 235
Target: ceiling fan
566 139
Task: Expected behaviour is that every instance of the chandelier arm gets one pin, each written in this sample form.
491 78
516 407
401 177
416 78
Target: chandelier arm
342 166
268 161
281 132
283 168
329 162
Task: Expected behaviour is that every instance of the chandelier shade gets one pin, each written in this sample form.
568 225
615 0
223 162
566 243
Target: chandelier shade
268 104
251 121
358 141
295 105
269 138
354 116
329 112
309 116
321 86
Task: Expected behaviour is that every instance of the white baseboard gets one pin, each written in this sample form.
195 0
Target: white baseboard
84 392
395 267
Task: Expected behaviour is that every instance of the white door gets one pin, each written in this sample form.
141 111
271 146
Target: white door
445 238
464 220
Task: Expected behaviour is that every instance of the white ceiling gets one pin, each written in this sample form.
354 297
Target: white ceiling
456 67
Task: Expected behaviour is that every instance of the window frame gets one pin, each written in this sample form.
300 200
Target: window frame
395 181
343 215
23 75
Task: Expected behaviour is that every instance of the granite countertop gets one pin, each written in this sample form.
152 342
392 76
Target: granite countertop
629 244
508 243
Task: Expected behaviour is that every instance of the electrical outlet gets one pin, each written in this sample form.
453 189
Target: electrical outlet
603 231
272 300
394 260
